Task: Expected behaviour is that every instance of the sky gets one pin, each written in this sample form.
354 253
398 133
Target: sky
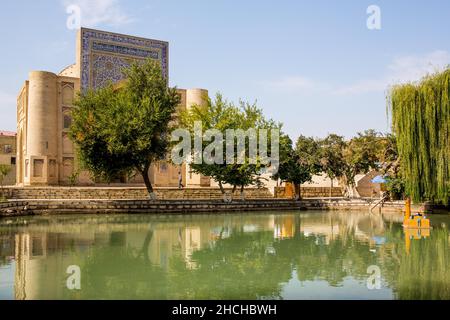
315 66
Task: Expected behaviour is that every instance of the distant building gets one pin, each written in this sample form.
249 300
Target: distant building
45 154
8 155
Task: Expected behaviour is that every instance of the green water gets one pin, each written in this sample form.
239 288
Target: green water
270 255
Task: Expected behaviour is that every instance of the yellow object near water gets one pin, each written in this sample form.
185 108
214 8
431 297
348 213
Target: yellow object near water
414 221
417 222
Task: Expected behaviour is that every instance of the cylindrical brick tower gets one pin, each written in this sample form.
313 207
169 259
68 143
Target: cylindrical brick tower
42 137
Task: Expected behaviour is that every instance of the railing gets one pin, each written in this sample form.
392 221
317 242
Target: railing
380 202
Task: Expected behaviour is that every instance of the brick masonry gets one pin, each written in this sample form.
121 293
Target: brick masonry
135 193
311 192
162 193
49 207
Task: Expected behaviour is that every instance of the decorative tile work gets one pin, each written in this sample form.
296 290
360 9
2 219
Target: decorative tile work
105 54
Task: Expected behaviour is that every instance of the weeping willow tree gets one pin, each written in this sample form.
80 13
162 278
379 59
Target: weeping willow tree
421 121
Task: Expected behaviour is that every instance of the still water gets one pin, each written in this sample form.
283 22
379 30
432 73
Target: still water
270 255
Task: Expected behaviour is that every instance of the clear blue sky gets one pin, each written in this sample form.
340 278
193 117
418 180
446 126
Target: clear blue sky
313 65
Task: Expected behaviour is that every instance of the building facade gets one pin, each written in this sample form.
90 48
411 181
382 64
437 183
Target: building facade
45 153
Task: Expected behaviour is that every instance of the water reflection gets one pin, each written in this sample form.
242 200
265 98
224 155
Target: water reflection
238 256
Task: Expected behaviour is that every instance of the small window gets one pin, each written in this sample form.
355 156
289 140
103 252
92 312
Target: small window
67 95
13 161
67 121
52 168
7 148
38 168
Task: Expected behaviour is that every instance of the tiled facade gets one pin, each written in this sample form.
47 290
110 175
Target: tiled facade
103 55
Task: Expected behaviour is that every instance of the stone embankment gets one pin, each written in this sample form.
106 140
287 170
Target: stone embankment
120 206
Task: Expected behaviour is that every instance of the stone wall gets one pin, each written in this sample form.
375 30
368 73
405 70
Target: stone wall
13 208
130 193
49 207
310 192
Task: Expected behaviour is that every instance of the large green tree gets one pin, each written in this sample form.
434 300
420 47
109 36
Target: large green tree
332 158
421 123
361 155
124 129
293 168
222 116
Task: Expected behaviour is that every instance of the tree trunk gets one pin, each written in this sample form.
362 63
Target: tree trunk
221 187
226 199
242 193
148 183
297 194
331 188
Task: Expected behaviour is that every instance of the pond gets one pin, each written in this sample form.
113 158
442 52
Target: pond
268 255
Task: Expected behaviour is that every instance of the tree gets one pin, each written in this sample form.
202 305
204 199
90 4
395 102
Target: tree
308 151
361 154
332 157
222 116
120 130
4 171
293 168
421 121
390 167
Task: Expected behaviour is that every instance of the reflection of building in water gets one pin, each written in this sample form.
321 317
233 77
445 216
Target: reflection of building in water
41 260
192 243
365 227
44 252
284 227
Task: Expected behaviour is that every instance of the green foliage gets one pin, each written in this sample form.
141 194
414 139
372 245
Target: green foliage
421 122
396 188
308 152
362 154
293 168
334 156
331 156
222 115
120 130
4 171
73 178
390 168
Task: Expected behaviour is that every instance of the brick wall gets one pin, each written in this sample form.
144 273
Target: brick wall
48 207
311 192
130 193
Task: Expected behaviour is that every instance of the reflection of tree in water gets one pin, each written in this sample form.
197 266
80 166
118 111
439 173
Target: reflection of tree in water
6 248
117 271
424 273
253 265
315 259
238 267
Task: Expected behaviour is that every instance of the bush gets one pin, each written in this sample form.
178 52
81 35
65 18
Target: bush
396 188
